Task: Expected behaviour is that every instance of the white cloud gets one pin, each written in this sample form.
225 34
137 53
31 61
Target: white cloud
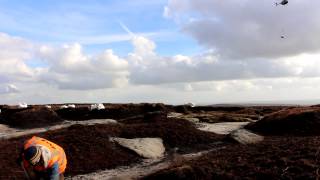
69 58
14 54
150 77
11 88
155 69
188 87
147 67
182 59
245 29
143 46
13 47
8 89
69 68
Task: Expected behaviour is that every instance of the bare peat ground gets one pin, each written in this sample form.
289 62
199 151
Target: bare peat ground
302 121
39 116
29 117
274 158
290 149
88 147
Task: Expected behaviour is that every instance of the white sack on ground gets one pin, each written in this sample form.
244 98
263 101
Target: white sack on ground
63 107
71 106
97 106
22 105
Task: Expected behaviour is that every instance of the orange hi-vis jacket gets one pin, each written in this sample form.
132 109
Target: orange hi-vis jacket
57 153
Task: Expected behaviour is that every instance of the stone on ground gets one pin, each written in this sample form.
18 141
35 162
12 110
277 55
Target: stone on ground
146 147
221 128
245 137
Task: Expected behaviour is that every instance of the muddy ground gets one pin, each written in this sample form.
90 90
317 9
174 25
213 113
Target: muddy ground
274 158
88 147
40 116
290 149
302 121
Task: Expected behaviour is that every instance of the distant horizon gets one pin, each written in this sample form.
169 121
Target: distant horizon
251 103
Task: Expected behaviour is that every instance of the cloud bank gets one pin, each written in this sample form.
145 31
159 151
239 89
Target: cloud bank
68 67
245 29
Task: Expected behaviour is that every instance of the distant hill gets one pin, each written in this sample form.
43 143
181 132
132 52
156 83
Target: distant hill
270 103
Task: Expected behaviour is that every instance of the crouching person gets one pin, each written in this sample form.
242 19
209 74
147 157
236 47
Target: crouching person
43 159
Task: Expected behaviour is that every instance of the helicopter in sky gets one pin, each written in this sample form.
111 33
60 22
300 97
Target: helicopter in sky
283 2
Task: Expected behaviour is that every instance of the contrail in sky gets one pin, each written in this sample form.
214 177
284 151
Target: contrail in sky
124 27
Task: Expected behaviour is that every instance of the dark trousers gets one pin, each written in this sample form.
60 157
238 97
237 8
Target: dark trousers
35 175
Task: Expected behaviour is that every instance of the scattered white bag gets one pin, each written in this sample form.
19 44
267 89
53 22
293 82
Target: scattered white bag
71 106
63 107
97 106
22 105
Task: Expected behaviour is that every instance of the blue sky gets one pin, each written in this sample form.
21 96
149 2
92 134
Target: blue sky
94 23
171 51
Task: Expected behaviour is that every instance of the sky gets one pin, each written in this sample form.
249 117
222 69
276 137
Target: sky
164 51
